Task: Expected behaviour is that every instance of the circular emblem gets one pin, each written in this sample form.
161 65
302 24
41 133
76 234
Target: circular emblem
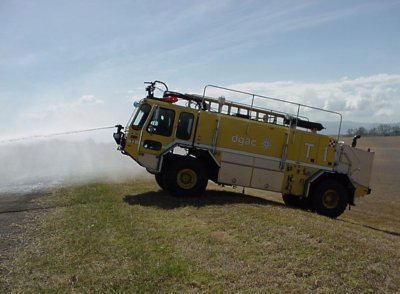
267 144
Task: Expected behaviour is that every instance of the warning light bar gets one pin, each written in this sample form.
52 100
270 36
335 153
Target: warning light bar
170 99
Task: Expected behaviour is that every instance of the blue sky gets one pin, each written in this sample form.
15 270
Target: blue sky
79 64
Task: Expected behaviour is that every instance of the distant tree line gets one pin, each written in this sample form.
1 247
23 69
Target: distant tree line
380 130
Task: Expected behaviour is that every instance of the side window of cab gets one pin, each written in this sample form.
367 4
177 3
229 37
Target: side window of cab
185 125
162 122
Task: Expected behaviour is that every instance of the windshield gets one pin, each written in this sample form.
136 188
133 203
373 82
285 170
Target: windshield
141 116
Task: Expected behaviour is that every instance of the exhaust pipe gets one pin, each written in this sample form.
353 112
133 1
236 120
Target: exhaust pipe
354 143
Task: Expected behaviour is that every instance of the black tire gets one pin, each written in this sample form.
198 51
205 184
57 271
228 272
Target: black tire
330 198
185 176
160 180
296 201
290 200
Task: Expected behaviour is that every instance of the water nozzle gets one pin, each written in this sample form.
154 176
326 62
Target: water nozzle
119 128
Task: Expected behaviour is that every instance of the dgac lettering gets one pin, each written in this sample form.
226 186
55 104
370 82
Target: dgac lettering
242 141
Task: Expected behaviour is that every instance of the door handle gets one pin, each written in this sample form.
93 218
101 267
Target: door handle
152 145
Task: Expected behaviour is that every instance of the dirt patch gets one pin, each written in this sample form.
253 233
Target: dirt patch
17 213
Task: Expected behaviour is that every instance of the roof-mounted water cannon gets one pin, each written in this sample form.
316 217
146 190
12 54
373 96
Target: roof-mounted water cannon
152 87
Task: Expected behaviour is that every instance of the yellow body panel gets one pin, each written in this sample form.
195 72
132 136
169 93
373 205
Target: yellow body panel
250 136
206 128
312 149
307 152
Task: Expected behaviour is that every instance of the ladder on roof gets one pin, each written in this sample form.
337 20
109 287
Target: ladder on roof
264 114
221 105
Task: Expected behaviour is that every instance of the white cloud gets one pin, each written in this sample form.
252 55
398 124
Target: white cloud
76 105
87 111
89 99
373 98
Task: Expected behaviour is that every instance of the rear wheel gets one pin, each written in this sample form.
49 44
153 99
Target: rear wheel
185 176
330 198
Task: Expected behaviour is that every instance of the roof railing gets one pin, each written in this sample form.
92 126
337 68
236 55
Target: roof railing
291 119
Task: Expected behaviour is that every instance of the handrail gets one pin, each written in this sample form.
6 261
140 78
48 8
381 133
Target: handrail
299 105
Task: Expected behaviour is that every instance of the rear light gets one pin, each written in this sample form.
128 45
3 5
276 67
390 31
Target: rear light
170 99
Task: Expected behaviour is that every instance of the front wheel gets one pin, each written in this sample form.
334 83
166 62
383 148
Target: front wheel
185 176
330 198
296 201
159 179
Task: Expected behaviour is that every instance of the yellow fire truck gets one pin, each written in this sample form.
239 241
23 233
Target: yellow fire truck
185 140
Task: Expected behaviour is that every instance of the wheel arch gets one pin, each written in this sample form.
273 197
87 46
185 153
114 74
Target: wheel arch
204 155
324 175
209 161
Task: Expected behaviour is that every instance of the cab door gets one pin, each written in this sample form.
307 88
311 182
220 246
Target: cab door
157 136
167 127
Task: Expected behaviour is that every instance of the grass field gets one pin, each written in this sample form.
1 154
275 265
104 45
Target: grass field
132 237
381 209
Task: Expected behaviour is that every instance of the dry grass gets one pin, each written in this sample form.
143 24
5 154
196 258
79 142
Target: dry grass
134 238
380 209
